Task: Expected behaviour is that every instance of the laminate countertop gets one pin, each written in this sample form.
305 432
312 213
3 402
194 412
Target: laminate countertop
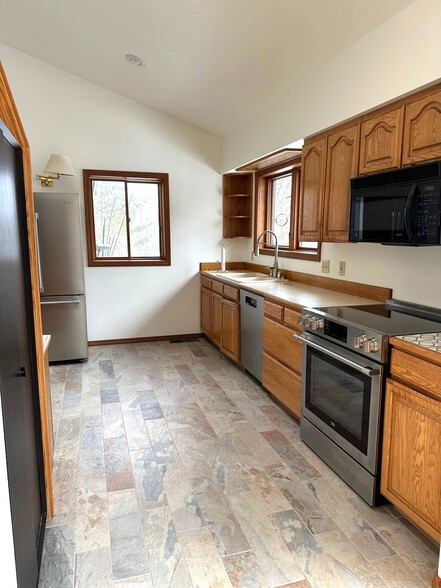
294 294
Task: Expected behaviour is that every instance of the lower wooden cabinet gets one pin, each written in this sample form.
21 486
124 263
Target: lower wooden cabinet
283 383
282 357
220 317
230 329
411 468
206 311
216 319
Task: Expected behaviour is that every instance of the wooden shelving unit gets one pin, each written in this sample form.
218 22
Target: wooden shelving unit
237 205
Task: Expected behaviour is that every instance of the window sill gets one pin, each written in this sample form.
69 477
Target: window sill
305 255
128 262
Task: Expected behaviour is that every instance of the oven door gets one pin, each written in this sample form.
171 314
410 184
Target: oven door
341 396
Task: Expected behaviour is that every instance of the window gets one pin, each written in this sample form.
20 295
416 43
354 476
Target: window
127 218
277 204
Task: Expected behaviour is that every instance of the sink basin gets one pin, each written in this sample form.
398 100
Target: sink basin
246 277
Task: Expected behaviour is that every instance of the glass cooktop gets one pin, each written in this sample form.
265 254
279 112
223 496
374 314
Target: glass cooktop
385 318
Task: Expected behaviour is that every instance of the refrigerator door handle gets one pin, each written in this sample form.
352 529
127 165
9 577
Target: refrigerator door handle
37 239
74 301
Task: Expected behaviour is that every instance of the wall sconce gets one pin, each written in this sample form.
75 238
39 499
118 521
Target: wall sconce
59 165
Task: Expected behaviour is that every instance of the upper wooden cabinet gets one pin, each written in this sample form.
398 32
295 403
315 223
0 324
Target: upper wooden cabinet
380 141
312 190
237 205
341 166
422 129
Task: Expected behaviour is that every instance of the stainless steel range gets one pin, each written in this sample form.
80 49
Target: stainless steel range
345 364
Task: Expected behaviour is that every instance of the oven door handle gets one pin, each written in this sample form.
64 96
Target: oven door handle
364 370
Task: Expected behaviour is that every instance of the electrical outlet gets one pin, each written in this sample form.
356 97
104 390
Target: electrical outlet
325 266
341 268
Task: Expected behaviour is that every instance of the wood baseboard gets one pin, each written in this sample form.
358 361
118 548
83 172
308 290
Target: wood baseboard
436 582
185 337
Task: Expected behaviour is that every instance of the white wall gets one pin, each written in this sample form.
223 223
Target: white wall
98 129
401 55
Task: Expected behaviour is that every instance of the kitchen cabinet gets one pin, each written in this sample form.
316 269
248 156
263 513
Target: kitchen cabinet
341 165
381 140
422 129
312 190
411 474
282 355
237 205
206 311
220 316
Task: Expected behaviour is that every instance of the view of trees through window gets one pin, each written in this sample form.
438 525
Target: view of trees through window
127 218
117 236
281 213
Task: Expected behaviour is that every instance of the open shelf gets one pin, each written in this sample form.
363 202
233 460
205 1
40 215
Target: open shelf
237 205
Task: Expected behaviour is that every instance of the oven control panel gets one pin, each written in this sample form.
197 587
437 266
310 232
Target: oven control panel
350 336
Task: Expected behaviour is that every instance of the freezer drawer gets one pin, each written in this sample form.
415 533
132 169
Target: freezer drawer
64 318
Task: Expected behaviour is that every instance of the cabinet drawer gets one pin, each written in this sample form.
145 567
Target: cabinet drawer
217 287
273 310
206 282
417 373
230 292
283 383
291 319
279 341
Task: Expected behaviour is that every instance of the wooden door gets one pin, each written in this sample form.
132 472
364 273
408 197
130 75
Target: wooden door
230 329
283 383
380 141
312 190
216 319
422 129
411 475
206 311
341 166
18 382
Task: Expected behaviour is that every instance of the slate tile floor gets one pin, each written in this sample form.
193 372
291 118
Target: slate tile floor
173 468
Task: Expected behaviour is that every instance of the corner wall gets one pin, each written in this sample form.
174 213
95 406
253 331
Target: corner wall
99 129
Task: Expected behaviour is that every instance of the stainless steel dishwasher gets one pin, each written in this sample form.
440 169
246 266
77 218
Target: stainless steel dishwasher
251 332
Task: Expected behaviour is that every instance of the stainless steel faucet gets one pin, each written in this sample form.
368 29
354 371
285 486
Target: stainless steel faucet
274 269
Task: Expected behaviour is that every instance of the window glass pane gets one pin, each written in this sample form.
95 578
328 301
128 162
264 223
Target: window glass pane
281 188
144 219
109 206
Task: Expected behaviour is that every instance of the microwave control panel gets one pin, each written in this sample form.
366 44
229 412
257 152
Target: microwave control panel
428 219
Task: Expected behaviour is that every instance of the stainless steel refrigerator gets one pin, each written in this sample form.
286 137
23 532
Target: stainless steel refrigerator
63 303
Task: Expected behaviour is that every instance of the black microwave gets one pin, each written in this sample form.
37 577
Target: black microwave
399 207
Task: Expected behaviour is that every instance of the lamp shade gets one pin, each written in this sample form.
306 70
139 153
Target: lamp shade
59 164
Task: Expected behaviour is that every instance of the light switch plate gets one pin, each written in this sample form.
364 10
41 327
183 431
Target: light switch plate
325 266
341 268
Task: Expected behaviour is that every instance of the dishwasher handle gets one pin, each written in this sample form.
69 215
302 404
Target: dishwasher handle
251 301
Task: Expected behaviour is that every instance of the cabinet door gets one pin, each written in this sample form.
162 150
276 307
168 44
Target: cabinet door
380 141
422 129
411 474
312 190
206 311
283 383
230 329
341 166
216 319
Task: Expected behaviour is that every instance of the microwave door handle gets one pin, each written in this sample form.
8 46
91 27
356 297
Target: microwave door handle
360 368
409 199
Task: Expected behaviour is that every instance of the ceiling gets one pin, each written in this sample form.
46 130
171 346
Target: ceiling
211 63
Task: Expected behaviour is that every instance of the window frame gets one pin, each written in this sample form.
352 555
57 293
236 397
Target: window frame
164 258
263 211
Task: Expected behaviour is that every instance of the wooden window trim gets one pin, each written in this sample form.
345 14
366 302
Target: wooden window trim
164 258
263 211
